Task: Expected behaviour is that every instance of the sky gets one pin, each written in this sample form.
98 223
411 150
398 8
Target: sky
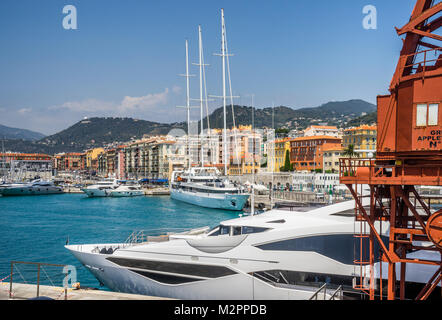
125 57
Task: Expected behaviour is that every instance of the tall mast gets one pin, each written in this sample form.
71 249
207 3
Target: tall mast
223 55
188 102
200 46
203 89
253 153
187 75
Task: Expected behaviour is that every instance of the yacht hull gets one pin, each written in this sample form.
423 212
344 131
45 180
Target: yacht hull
234 202
92 193
30 191
120 194
240 286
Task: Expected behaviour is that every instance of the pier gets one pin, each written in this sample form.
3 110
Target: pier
22 291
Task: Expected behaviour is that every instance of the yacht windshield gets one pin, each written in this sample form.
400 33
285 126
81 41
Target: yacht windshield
235 230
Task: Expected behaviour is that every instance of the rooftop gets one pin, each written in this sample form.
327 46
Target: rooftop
315 138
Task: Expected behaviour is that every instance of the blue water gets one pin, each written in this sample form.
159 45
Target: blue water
35 228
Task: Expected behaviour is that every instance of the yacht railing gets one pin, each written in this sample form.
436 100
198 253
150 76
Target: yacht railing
160 235
336 295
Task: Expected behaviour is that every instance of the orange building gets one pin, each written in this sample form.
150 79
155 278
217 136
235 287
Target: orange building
70 161
306 153
25 157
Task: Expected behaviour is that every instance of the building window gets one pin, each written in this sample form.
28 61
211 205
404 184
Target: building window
421 115
427 114
433 113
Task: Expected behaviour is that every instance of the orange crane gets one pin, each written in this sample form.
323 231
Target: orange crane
409 154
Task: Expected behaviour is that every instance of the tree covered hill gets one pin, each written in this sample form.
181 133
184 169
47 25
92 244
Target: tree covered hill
97 132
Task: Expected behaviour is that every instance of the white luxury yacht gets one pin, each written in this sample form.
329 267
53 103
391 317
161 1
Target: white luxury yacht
101 188
274 255
128 189
205 188
35 187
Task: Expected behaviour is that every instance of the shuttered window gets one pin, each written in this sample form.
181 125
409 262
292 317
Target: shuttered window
433 113
421 115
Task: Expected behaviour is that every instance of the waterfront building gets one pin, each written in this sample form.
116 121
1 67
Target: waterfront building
111 163
318 182
306 153
331 155
154 157
70 161
281 148
92 159
244 150
314 130
138 158
26 165
363 139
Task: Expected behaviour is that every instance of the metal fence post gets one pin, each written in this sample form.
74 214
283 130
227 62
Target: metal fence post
38 281
10 283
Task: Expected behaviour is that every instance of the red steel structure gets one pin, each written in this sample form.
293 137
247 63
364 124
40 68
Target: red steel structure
409 154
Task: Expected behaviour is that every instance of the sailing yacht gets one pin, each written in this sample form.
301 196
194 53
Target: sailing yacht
204 186
273 255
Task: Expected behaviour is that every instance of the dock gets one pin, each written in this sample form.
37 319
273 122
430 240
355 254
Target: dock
22 291
157 192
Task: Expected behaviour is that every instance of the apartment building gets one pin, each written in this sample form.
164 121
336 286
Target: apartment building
363 139
306 153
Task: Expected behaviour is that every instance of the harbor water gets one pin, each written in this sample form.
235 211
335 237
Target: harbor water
36 228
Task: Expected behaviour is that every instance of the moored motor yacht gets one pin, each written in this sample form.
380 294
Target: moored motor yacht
129 189
35 187
274 255
202 187
101 188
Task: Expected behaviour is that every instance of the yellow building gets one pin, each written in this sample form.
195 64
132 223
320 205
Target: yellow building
281 148
363 139
92 158
331 154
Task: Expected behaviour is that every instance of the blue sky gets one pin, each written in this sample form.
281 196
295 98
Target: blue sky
125 56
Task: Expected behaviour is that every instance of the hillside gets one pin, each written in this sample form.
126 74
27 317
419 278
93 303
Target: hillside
16 133
332 113
96 132
366 119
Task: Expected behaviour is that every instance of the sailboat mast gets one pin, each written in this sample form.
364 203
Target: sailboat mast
200 42
188 102
253 153
223 54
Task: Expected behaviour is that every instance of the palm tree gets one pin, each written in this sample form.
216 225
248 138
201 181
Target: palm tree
350 152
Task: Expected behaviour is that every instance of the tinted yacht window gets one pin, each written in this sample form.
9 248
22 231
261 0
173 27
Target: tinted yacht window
236 231
214 232
248 230
224 230
340 247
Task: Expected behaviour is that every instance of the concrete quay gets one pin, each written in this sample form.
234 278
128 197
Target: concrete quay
22 291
